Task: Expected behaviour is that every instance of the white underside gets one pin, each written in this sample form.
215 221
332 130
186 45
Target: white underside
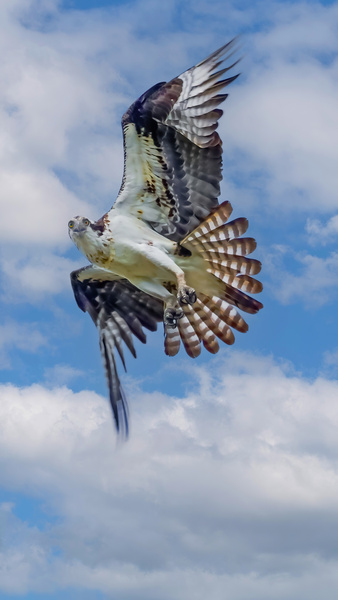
133 251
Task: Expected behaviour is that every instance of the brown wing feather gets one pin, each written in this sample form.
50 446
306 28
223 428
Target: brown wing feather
173 154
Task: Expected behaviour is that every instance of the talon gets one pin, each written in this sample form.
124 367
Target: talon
171 316
186 295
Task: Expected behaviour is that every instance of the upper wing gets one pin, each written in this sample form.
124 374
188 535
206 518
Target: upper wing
119 310
173 154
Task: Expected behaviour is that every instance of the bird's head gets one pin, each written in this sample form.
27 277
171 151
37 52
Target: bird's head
87 235
82 232
77 227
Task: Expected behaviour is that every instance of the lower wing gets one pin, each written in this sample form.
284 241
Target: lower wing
119 311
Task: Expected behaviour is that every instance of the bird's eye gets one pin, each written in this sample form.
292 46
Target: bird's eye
86 222
71 224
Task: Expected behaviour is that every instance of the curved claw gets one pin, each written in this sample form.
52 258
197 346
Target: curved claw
171 316
186 295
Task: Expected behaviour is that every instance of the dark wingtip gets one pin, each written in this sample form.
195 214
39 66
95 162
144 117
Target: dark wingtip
122 420
117 397
121 416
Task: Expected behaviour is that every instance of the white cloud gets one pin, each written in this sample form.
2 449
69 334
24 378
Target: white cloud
31 278
21 336
37 208
305 28
330 363
320 233
62 374
331 358
56 149
301 276
234 484
282 120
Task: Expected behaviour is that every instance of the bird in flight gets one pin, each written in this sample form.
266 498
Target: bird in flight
166 252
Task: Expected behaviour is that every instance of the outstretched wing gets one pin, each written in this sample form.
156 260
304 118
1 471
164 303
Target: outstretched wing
173 154
119 311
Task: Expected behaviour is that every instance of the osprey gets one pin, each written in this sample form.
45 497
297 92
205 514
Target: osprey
166 251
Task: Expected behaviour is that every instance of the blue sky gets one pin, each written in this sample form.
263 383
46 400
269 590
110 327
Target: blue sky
227 488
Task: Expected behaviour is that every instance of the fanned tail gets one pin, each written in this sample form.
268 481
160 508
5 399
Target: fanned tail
225 253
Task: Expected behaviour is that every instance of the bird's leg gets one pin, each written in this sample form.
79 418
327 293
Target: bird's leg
185 294
172 309
172 312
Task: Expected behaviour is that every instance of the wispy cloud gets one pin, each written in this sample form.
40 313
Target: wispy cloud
283 121
31 278
322 233
19 336
62 374
300 276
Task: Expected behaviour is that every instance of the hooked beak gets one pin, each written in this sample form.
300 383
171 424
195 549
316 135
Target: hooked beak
78 229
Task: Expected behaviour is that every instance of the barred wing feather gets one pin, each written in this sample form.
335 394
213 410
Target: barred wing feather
119 311
173 154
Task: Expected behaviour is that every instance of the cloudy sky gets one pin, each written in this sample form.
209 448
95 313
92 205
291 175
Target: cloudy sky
228 486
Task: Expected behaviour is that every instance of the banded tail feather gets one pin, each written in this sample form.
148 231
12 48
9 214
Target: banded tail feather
225 253
215 323
218 241
216 219
235 247
205 321
226 312
222 233
172 341
189 337
236 280
202 330
247 266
